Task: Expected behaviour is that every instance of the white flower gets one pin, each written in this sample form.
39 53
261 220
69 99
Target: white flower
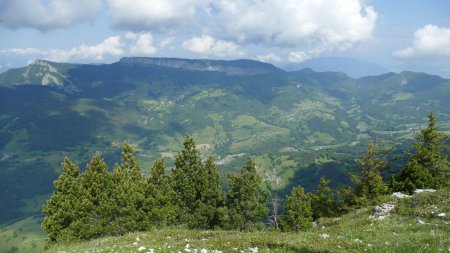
325 236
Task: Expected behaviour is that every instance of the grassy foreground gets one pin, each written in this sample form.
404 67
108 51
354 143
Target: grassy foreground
417 224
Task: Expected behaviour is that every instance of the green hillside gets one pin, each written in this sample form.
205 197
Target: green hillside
303 124
412 226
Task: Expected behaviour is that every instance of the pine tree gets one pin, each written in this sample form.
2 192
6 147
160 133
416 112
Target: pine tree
298 212
246 201
129 197
209 206
160 197
323 200
96 205
428 165
186 180
59 211
369 184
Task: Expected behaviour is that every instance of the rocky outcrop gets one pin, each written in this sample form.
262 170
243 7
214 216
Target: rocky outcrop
231 68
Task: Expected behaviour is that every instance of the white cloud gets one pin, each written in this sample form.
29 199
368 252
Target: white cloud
155 15
21 51
165 42
207 45
110 46
271 57
46 14
142 43
327 23
429 41
324 24
298 56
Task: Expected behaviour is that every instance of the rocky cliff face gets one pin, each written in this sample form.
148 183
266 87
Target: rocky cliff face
231 68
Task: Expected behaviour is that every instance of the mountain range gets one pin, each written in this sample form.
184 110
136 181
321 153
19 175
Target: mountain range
303 123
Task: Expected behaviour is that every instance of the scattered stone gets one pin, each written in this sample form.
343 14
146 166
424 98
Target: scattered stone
400 195
357 240
420 222
380 212
325 236
253 250
441 215
417 191
141 248
203 251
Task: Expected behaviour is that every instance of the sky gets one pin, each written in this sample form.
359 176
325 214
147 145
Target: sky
398 35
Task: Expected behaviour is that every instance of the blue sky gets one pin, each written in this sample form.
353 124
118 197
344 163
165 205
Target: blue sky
398 35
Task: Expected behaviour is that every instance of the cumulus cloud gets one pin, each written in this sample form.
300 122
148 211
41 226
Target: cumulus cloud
271 57
207 45
46 14
165 42
328 23
324 24
111 46
143 43
155 15
429 41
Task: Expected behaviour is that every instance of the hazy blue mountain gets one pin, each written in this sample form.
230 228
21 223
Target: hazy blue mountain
302 123
352 67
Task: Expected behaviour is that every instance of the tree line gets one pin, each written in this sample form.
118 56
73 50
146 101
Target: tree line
98 202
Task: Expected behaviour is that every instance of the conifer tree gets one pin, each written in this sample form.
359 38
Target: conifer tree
369 184
428 165
298 212
323 201
160 197
185 179
129 194
197 187
96 206
59 209
246 201
209 206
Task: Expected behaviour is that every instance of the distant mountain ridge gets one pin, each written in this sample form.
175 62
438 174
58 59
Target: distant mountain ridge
352 67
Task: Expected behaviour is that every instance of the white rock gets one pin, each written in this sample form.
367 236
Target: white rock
380 212
357 240
325 236
420 222
141 248
253 250
417 191
187 246
400 195
138 239
441 215
203 251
